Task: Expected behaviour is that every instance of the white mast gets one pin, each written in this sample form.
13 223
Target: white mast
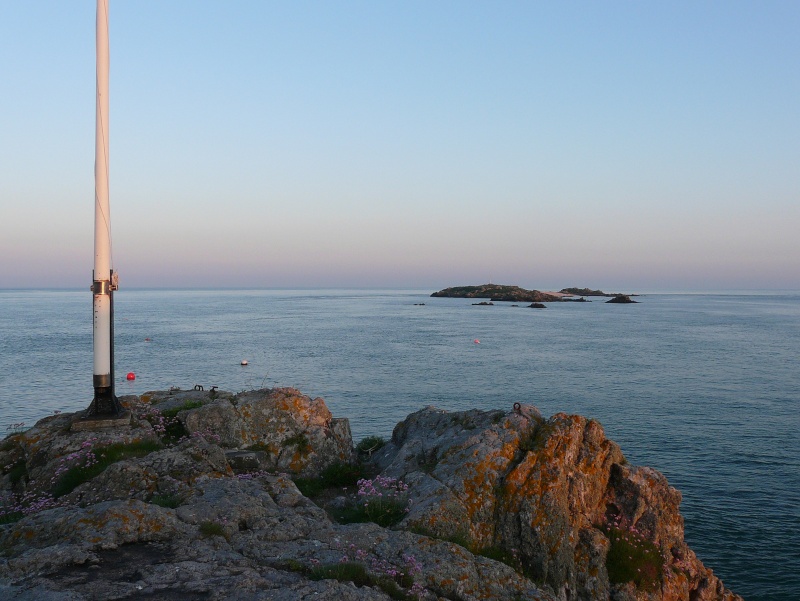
105 403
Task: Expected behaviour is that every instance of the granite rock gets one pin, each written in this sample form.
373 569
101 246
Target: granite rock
547 494
503 505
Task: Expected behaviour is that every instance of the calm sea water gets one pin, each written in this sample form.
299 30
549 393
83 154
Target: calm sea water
705 388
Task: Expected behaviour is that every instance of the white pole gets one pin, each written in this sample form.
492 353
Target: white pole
105 402
102 227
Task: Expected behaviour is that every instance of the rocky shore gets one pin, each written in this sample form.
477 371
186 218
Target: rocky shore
262 495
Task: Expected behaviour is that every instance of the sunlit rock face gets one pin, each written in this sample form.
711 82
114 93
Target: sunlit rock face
550 495
290 431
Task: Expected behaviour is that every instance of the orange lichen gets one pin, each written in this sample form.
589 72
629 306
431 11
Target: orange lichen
297 462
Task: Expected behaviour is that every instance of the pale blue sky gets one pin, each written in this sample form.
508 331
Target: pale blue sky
621 145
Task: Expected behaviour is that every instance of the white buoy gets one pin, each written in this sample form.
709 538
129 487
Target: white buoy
244 361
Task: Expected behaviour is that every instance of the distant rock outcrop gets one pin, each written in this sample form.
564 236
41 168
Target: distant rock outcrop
504 505
496 292
583 292
622 299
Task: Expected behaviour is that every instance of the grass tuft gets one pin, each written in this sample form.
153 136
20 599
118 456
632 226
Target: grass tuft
9 442
356 572
369 445
17 472
168 501
461 538
511 558
174 431
536 437
633 558
171 413
292 565
209 529
105 455
347 571
337 475
10 518
342 474
381 500
310 488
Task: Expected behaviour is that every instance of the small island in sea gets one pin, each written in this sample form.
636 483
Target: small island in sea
500 292
585 292
497 292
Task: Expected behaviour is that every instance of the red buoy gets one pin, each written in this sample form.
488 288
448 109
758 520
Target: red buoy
131 375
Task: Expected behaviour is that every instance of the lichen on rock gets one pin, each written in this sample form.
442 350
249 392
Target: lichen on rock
503 505
544 493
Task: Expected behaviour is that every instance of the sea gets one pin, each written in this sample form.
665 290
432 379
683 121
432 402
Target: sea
703 387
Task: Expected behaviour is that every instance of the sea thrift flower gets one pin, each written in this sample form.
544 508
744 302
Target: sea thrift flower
383 500
13 506
383 570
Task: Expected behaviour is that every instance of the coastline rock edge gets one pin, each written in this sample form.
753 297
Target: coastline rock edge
502 505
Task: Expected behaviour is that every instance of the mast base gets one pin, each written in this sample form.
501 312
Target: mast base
105 402
99 422
105 410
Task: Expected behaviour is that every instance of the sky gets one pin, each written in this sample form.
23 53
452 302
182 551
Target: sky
630 146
